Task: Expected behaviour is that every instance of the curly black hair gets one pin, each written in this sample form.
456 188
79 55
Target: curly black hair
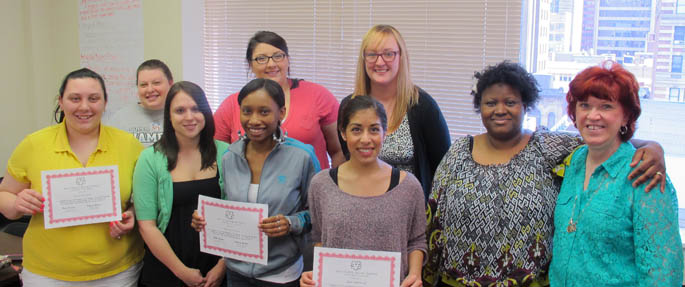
511 74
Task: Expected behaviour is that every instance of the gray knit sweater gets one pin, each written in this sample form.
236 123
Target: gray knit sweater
394 221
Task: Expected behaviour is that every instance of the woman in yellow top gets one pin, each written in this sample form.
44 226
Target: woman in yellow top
86 255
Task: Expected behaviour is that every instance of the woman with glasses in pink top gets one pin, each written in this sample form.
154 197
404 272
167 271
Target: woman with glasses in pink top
311 110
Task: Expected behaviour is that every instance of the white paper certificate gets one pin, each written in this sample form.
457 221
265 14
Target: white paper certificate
356 268
81 196
231 230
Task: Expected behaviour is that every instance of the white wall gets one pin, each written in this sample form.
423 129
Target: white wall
40 46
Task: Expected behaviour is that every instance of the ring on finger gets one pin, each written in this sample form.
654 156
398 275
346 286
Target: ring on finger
659 173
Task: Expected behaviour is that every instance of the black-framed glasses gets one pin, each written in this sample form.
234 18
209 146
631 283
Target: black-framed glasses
386 55
262 59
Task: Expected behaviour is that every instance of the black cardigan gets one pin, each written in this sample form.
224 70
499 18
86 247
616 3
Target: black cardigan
429 134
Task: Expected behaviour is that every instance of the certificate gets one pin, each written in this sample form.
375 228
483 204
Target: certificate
232 229
356 268
81 196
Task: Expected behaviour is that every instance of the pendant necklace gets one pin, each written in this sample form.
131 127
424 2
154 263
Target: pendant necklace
572 224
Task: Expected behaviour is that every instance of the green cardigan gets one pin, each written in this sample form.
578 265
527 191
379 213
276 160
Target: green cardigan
153 192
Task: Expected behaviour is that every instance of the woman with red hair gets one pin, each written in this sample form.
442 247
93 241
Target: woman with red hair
608 232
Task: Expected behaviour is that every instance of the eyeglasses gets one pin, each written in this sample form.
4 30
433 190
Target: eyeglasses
387 56
262 59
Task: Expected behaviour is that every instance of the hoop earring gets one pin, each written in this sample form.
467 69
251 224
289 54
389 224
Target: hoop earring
241 136
623 130
280 135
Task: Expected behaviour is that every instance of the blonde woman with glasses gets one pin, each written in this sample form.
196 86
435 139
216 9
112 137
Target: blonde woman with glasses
417 135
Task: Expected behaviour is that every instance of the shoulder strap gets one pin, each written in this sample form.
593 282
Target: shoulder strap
334 174
394 178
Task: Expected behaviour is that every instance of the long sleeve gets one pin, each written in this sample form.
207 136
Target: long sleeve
417 230
658 251
435 133
145 187
301 221
315 190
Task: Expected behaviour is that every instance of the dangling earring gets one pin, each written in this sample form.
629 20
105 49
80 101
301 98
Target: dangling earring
241 136
623 130
279 135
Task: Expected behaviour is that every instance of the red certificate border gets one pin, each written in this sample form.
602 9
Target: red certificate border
324 254
51 218
260 211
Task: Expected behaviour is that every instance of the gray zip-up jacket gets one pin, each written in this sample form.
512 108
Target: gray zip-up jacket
283 185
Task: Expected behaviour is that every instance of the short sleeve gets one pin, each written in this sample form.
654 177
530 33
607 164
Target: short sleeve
555 146
327 105
20 161
223 119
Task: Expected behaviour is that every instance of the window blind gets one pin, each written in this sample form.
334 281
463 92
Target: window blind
447 42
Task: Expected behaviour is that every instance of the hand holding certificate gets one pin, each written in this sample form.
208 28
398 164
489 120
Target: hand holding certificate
232 229
356 268
81 196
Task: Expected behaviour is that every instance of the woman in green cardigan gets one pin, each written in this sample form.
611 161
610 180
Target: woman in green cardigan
169 177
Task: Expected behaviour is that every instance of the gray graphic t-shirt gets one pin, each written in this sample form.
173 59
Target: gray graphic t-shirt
145 125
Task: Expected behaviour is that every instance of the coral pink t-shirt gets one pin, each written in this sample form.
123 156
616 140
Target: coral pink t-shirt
311 107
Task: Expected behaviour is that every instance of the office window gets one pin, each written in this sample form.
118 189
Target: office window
656 64
679 35
674 94
680 7
447 42
677 64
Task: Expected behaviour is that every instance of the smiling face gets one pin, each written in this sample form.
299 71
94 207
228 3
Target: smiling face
83 103
260 116
381 71
276 71
502 111
364 135
186 117
153 87
599 122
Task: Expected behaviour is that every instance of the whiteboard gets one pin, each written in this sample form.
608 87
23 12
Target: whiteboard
111 44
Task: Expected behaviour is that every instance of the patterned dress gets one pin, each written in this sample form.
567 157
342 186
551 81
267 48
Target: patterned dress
492 225
398 148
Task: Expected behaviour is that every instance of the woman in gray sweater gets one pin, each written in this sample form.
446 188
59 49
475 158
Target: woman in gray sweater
365 203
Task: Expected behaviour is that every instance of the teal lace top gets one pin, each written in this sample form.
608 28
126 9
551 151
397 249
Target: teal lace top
623 236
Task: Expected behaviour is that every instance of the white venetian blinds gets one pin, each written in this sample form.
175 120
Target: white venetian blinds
447 41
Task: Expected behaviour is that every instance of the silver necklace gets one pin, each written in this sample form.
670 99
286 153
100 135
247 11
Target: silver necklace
571 224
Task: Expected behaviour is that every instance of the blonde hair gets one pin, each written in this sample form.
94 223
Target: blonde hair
407 92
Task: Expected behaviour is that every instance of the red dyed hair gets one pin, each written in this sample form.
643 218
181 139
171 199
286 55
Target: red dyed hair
608 81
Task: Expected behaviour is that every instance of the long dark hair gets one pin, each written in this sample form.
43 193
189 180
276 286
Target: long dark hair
78 74
168 144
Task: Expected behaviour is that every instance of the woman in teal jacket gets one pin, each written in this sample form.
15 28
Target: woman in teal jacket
169 177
